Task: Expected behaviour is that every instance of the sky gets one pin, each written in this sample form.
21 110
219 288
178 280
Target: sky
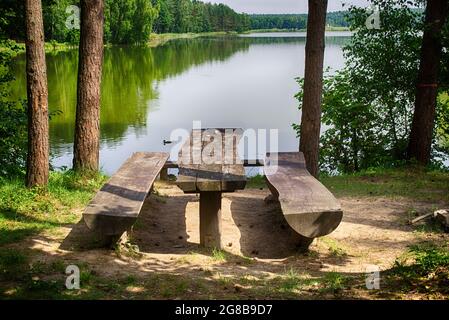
283 6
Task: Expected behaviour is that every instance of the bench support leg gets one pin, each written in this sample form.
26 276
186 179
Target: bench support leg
210 219
304 244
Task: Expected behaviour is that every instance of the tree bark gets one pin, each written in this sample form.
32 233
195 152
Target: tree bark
313 85
421 133
37 94
87 126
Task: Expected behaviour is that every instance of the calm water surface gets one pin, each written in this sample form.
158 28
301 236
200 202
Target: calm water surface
246 82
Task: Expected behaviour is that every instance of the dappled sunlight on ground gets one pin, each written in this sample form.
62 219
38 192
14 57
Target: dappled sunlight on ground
163 259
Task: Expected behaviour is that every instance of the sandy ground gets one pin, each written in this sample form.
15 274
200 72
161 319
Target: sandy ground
373 231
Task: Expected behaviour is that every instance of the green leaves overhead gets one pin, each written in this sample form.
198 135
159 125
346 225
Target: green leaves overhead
129 21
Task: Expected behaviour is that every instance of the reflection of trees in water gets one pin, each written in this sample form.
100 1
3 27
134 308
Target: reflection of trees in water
293 39
130 75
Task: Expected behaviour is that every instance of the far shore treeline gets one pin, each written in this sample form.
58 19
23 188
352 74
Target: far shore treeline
132 21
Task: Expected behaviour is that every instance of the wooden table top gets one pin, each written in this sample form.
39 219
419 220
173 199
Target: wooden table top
209 161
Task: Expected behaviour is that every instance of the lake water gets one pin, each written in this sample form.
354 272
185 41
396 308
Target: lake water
147 93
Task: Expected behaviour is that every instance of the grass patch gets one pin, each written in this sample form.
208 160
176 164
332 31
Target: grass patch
12 264
334 247
219 255
429 257
292 284
24 212
291 281
256 182
333 282
425 269
410 182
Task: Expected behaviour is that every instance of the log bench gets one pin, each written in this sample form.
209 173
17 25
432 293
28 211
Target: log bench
309 208
115 208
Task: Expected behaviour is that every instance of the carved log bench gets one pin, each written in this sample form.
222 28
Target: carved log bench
308 206
115 208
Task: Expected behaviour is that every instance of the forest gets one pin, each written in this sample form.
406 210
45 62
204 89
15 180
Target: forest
294 21
132 21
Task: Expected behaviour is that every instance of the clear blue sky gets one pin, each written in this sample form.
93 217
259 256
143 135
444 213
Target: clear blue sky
283 6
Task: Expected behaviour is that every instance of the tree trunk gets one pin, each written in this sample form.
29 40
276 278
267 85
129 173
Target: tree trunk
313 85
421 133
87 126
37 94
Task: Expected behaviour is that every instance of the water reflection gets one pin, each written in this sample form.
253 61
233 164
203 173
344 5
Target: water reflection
243 82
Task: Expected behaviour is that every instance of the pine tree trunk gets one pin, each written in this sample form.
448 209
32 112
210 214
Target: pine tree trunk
37 94
313 85
421 134
87 126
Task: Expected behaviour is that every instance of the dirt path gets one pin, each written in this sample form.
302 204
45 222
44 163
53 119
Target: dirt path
260 246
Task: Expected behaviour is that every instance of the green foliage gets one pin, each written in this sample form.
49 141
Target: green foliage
368 106
181 16
127 21
442 121
55 18
143 18
383 66
13 144
164 21
337 19
132 21
13 119
350 142
12 19
294 21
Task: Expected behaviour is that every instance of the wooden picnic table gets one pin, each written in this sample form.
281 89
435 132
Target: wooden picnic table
209 165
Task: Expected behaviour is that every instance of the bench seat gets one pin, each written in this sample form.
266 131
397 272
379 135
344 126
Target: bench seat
308 206
115 208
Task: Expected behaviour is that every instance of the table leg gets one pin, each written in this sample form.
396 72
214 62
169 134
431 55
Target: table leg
164 174
210 219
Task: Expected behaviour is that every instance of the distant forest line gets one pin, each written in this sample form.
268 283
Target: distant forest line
132 21
294 21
